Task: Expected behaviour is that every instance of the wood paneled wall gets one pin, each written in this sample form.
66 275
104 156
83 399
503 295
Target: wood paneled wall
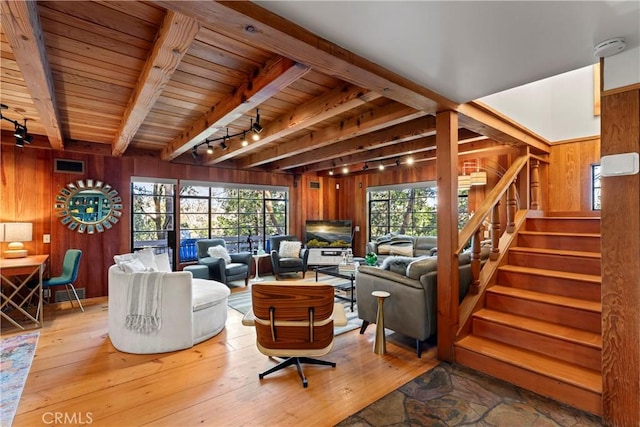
620 227
29 186
570 170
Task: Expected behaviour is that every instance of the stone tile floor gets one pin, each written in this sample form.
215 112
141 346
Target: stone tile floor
451 395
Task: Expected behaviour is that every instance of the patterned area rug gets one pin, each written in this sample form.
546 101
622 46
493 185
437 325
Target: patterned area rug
241 301
452 395
16 355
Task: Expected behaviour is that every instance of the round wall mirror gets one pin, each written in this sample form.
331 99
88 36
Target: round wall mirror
88 206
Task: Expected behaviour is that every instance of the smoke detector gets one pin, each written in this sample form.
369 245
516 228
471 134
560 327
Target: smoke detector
609 47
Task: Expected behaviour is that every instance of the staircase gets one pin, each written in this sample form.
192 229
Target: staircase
541 325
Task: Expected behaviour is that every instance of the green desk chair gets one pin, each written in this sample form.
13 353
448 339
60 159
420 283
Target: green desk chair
70 267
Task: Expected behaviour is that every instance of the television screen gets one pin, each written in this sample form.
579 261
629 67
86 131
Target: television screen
328 234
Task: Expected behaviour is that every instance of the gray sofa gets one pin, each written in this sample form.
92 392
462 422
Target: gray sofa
402 245
411 309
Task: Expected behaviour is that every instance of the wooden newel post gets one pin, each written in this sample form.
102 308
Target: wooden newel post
512 206
535 184
495 232
474 289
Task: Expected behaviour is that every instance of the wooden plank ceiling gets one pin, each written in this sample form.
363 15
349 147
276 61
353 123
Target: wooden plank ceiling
126 77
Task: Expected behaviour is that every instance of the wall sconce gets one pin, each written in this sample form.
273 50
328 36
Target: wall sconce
478 178
16 233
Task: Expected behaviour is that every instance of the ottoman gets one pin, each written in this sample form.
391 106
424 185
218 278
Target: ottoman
198 271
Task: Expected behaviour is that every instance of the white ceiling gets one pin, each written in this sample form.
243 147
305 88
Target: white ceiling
465 50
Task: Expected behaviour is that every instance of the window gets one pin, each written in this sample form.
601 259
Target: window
152 215
412 211
595 187
233 213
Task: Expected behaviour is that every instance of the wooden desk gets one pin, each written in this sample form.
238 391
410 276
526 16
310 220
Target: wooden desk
17 296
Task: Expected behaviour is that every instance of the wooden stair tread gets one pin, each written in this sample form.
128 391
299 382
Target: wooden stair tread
543 365
558 233
553 330
561 252
592 278
559 300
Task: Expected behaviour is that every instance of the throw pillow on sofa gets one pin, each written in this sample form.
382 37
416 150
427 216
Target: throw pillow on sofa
289 249
397 264
402 250
148 258
219 252
129 263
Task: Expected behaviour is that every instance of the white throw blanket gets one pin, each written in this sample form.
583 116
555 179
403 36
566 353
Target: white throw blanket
144 301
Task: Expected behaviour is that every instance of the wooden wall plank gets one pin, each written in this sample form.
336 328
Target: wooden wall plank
570 169
620 227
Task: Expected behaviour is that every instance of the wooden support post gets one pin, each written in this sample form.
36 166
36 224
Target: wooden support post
475 263
447 174
535 184
512 207
495 232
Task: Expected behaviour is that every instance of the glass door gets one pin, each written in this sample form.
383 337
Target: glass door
153 216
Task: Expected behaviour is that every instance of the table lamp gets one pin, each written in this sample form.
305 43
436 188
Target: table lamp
15 233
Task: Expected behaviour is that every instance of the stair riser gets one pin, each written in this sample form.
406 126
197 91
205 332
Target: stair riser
568 316
551 285
567 243
564 225
559 348
574 396
555 262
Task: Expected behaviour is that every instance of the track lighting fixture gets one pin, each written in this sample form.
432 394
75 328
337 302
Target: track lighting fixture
345 170
194 153
381 167
331 172
254 129
365 167
20 133
409 160
397 162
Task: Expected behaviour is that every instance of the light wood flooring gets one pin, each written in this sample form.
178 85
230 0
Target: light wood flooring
77 372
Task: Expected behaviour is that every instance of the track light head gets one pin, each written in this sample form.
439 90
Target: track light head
397 162
209 149
244 142
381 167
331 172
194 153
223 145
409 160
365 167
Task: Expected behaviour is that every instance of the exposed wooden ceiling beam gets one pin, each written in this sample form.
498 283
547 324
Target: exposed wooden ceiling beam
175 35
336 101
21 25
485 121
259 27
277 74
413 147
392 135
369 121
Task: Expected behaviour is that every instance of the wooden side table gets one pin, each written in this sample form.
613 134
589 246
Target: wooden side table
380 344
